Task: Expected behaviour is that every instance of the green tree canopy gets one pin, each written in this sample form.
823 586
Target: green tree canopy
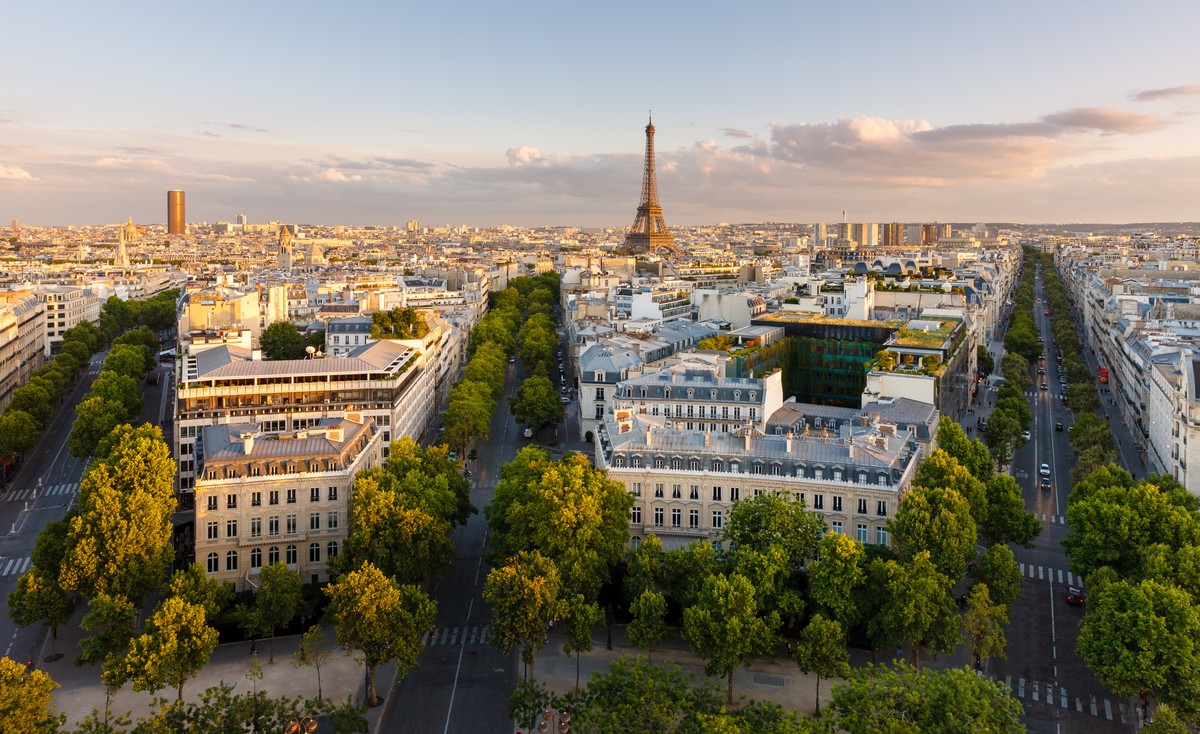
997 568
38 598
1006 520
399 323
971 454
775 519
27 699
649 623
117 388
916 607
176 644
32 399
95 418
406 543
983 625
282 340
525 595
128 360
833 578
724 627
938 521
468 414
18 432
941 470
821 651
276 602
536 403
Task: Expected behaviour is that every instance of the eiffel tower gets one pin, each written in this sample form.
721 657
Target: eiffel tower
649 232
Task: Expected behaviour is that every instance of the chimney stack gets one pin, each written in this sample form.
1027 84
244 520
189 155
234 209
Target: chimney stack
789 441
247 442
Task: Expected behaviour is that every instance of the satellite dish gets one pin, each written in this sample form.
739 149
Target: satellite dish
311 350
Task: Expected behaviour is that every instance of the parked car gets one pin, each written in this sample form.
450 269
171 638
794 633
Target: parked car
1075 597
1058 426
566 400
1044 470
453 455
527 433
473 455
1025 435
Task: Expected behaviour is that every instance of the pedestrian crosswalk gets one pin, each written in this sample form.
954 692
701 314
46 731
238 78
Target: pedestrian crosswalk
14 566
1045 573
1048 694
1054 519
1035 393
30 493
455 636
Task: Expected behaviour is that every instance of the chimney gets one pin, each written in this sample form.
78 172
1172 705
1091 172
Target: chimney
788 444
649 436
746 434
247 442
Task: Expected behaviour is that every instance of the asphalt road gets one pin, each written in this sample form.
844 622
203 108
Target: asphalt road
1060 695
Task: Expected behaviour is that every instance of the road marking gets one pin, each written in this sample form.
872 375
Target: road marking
1070 579
1060 576
1063 697
16 566
1041 575
1035 691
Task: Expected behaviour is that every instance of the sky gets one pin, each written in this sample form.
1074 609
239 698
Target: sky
533 113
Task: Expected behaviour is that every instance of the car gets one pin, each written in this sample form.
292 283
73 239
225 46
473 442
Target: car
1041 370
453 455
1045 484
467 473
1075 597
473 455
565 400
1025 435
1058 426
512 359
1044 470
528 433
1042 357
563 389
1045 386
1047 313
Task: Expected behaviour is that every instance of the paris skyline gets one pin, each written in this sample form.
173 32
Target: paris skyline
533 114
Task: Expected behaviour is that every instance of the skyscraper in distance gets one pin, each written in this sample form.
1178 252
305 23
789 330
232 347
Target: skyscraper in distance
176 217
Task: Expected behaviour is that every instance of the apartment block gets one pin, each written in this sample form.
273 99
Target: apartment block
22 340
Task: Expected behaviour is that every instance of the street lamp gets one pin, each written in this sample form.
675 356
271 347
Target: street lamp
554 721
306 725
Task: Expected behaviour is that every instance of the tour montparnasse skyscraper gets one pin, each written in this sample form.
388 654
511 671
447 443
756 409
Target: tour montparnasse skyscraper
649 232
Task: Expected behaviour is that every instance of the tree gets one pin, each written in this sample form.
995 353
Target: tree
649 623
1002 431
834 576
316 340
971 454
688 570
645 569
901 699
983 626
1006 520
18 432
381 619
984 359
32 399
399 323
176 644
468 414
822 650
775 519
313 652
997 568
120 542
1015 369
580 616
282 340
95 418
1142 636
27 699
536 403
407 544
275 604
128 360
937 521
916 607
1165 721
193 585
724 627
111 619
886 361
142 337
120 389
941 470
38 598
524 596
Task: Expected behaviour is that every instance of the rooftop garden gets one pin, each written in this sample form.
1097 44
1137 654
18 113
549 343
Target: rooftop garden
816 318
925 339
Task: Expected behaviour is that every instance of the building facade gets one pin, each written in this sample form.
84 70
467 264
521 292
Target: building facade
66 306
22 340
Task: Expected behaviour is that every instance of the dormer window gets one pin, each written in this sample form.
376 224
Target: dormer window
753 395
712 394
599 376
691 393
737 394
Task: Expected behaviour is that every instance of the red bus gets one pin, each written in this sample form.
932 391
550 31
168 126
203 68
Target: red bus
1103 375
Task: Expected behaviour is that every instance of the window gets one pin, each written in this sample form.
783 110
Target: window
837 526
716 494
694 464
880 536
800 497
676 517
818 502
735 494
716 520
694 492
881 508
693 519
676 464
717 465
314 494
676 491
837 503
214 563
637 489
212 531
273 497
862 508
256 499
660 462
837 475
291 524
291 496
231 501
332 494
231 561
231 528
273 555
737 414
735 467
314 552
256 527
658 490
212 502
861 533
314 521
256 558
776 469
290 555
333 520
599 393
273 525
599 412
658 517
331 550
636 515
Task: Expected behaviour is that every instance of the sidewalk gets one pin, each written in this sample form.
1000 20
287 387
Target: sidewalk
341 677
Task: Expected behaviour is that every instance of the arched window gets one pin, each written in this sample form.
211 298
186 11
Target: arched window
691 393
231 561
314 552
256 558
737 394
214 563
273 555
331 550
291 555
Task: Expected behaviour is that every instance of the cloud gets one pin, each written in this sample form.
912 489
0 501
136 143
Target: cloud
1150 95
207 134
333 174
524 155
376 163
240 126
142 165
733 132
14 173
1106 120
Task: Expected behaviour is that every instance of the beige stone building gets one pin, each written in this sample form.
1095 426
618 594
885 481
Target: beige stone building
22 340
